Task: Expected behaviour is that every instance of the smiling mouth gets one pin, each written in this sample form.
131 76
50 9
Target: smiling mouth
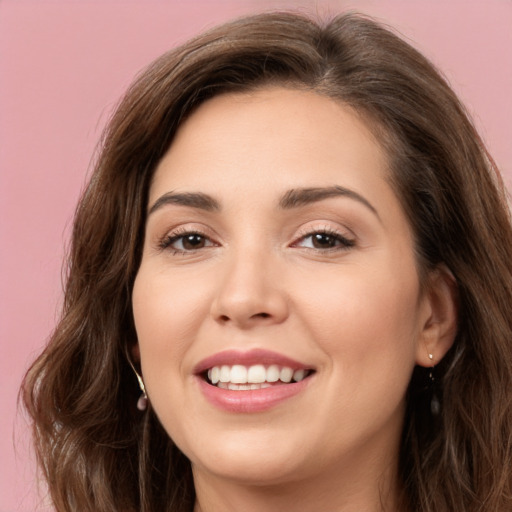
242 378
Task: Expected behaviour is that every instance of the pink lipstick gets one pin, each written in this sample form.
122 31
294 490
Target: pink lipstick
251 381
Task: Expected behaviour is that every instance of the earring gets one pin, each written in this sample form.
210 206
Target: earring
142 402
435 405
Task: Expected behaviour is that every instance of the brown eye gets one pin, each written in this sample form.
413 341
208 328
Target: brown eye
186 242
322 240
193 241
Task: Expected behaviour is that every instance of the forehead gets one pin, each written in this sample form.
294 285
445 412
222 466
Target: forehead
271 137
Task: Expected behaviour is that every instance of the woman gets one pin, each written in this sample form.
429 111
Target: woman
297 247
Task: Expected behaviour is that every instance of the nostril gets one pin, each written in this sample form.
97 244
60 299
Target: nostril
227 318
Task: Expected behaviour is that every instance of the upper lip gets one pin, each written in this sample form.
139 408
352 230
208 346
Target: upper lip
248 358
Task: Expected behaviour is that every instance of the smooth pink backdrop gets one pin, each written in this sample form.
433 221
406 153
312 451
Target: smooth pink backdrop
64 64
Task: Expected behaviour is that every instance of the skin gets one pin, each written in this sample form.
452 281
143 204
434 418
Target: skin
355 313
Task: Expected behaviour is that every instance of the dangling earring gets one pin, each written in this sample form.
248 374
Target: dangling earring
435 405
142 402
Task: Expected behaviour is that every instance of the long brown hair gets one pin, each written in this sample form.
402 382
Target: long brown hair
98 453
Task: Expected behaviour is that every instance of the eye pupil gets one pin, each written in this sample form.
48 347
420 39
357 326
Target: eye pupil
322 240
193 241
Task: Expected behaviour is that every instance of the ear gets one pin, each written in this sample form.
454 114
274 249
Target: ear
440 325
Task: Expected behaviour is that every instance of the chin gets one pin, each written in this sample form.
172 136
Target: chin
250 461
245 471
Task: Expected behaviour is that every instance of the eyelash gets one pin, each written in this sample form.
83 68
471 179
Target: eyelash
344 243
166 242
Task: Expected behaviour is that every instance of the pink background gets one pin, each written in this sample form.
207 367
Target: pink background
64 64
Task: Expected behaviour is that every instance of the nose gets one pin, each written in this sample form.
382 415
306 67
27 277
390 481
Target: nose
250 293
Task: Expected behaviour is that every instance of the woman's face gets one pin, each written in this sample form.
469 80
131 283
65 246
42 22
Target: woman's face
275 249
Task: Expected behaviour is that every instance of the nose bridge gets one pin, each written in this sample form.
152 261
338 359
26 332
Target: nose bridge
249 291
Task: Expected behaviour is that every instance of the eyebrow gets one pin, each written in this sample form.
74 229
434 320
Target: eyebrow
296 198
191 199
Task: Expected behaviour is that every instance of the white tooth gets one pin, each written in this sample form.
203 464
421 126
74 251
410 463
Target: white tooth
222 385
298 375
273 373
238 374
263 385
225 373
234 387
210 374
215 374
256 374
245 387
286 374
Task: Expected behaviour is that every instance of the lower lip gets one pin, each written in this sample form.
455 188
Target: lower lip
251 400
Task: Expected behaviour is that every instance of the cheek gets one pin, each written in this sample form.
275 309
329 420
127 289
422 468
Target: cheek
164 307
366 321
167 314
